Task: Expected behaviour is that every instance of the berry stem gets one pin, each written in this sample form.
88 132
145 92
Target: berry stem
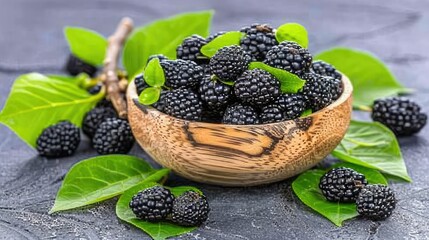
109 75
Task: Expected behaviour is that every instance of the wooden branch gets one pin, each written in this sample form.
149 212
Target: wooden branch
110 77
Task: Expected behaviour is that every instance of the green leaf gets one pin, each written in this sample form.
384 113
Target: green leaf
157 230
306 112
372 176
150 95
372 145
370 77
290 83
226 39
306 187
154 74
292 32
103 177
87 45
162 37
43 101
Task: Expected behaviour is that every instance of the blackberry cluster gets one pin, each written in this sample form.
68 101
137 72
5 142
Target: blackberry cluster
152 204
289 56
373 201
59 140
259 39
319 91
161 57
400 114
325 69
95 117
190 209
240 114
140 83
184 104
113 136
229 63
272 113
190 49
75 66
181 73
214 94
213 36
292 105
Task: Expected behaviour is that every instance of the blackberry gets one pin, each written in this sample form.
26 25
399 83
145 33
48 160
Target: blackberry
229 62
152 204
259 39
342 184
161 57
325 69
95 117
376 202
214 93
336 87
257 87
95 89
400 114
140 84
75 66
289 56
212 115
181 73
213 36
190 49
239 114
184 104
190 209
292 105
316 91
113 136
104 103
58 140
161 102
271 113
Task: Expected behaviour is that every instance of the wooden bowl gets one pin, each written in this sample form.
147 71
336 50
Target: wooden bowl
239 155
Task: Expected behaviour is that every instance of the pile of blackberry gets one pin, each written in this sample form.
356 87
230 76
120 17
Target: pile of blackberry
222 89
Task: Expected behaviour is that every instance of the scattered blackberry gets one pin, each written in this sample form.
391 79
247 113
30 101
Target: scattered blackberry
95 117
213 36
376 202
289 56
181 73
316 91
259 39
113 136
271 113
239 114
184 104
400 114
190 209
140 83
292 105
95 89
214 93
342 184
152 204
257 87
229 62
59 140
161 57
325 69
190 49
75 66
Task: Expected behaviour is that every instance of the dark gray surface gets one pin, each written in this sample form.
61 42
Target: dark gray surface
31 40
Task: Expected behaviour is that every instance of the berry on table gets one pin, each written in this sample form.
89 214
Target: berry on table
113 136
152 204
342 184
289 56
259 39
239 114
376 202
58 140
184 104
181 73
75 66
229 62
190 209
190 49
95 117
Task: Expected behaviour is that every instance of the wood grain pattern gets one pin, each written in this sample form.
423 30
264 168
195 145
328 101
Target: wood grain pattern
239 155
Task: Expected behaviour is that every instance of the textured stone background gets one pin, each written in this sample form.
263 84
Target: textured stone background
31 39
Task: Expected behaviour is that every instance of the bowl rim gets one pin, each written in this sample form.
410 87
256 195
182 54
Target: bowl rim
345 95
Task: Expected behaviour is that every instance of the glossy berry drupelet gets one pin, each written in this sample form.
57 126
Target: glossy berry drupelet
400 114
292 105
342 184
325 69
95 117
140 83
213 36
257 87
289 56
190 209
271 113
317 91
161 57
240 114
376 202
190 49
152 204
75 66
229 63
161 101
184 104
59 140
259 39
213 93
113 136
181 73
